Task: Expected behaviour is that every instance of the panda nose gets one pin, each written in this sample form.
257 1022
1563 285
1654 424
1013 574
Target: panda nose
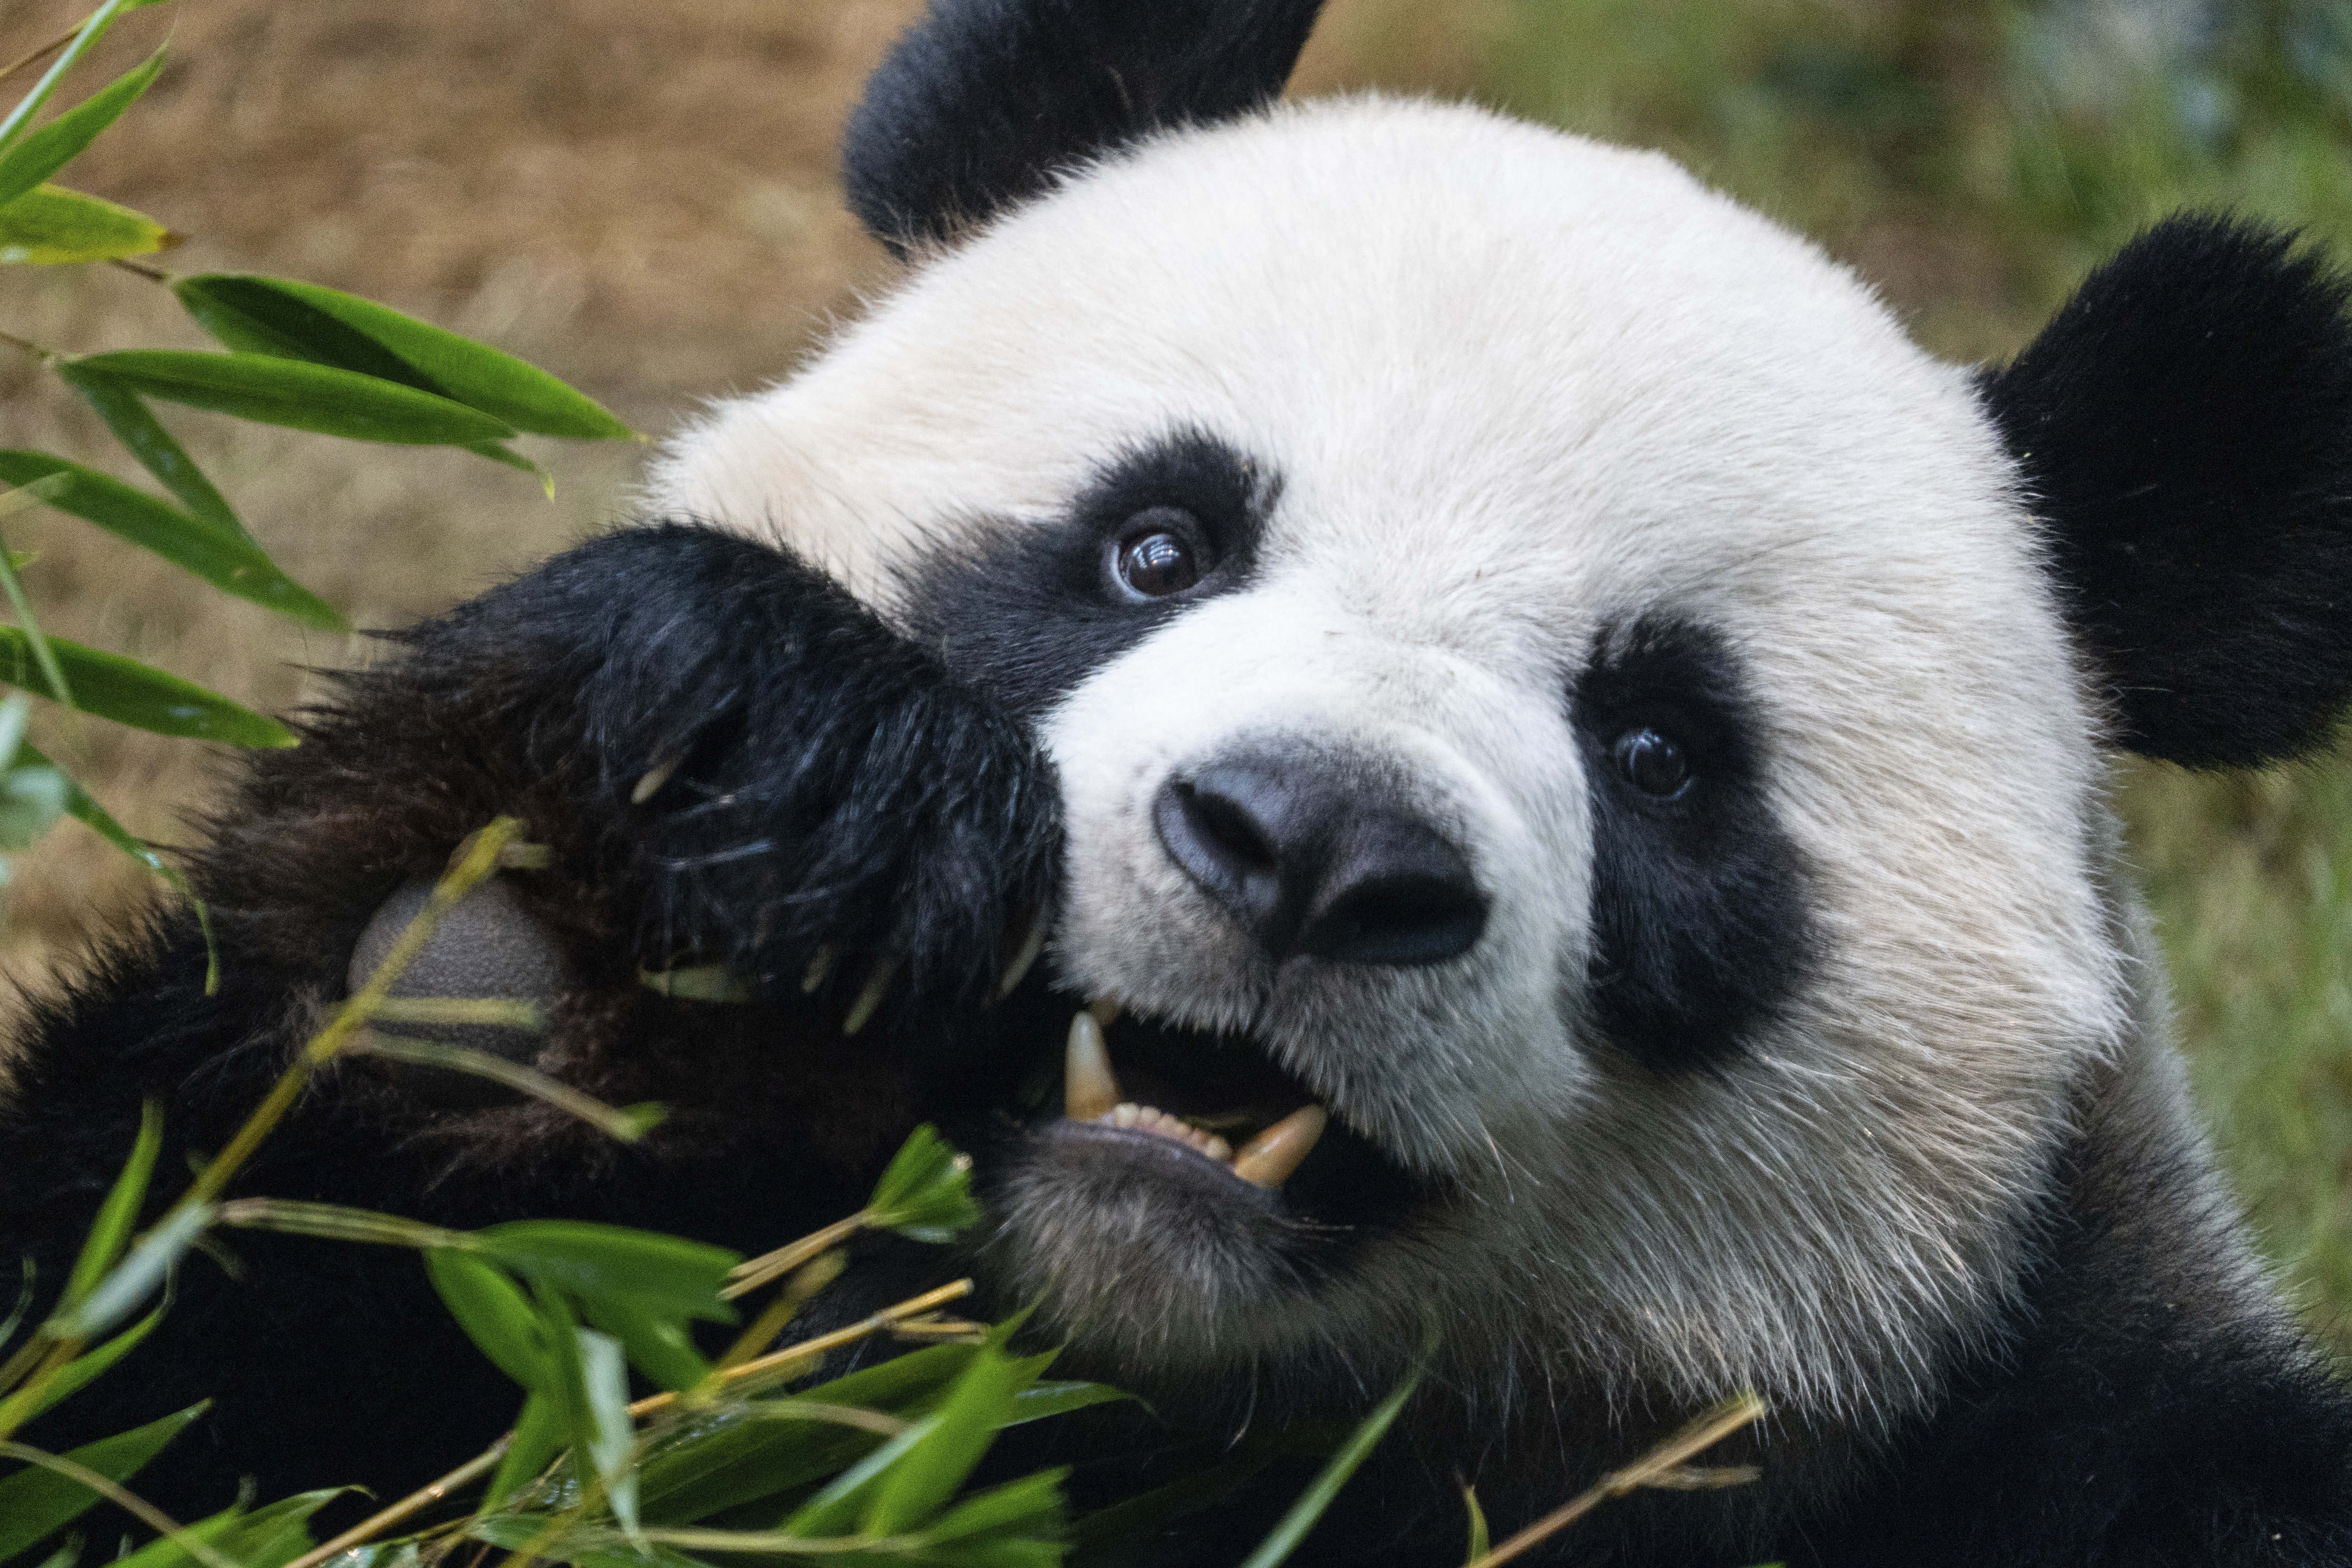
1308 865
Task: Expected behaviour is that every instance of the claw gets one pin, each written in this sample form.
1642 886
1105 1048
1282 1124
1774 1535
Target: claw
818 968
878 985
650 785
703 983
1031 946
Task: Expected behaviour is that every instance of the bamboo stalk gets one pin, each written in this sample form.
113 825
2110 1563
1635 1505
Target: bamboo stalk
415 1502
1662 1466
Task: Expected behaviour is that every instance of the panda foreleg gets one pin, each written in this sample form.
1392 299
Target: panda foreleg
735 770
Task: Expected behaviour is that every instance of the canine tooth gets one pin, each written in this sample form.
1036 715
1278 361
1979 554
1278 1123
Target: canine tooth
1089 1091
1104 1011
1031 946
818 968
650 785
877 984
1269 1159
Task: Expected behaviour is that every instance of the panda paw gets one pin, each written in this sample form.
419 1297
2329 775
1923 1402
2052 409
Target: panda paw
749 788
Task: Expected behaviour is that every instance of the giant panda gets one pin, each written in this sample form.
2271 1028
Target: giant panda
1570 753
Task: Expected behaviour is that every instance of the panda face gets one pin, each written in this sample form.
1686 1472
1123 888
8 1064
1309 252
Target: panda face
1538 668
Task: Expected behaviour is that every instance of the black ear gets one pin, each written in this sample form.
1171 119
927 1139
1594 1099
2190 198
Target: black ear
985 100
2184 429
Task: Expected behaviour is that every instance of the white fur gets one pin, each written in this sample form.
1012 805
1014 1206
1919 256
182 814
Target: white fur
1519 387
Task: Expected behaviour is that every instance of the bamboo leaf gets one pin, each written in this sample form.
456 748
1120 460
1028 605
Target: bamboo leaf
175 1552
92 29
909 1479
110 1232
833 1510
273 1536
34 1502
1041 1400
50 149
86 1368
926 1192
157 452
299 396
45 654
514 459
136 1278
1294 1525
84 808
560 1331
328 327
663 1273
265 1538
1031 1506
32 798
231 563
730 1464
582 1546
494 1312
49 226
538 1438
611 1435
658 1345
112 687
910 1491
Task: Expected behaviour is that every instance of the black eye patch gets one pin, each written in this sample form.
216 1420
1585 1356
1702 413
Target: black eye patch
1027 611
1701 912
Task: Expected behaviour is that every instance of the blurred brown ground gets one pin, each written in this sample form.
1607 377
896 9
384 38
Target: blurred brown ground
638 194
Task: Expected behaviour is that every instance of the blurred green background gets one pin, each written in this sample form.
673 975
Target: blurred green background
1975 159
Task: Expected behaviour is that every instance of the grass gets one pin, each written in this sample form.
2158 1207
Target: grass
2251 880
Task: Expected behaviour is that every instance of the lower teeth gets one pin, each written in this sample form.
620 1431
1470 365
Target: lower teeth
1090 1093
1152 1119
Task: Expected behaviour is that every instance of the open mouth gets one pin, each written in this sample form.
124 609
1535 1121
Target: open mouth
1207 1121
1249 1135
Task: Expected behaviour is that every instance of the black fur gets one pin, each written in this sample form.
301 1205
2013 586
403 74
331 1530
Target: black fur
2141 1408
984 102
1699 903
1029 611
2148 1410
2184 429
839 788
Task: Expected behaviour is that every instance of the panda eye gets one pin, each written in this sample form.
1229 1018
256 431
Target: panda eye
1155 556
1652 763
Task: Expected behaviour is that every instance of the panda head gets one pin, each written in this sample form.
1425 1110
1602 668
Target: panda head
1542 669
